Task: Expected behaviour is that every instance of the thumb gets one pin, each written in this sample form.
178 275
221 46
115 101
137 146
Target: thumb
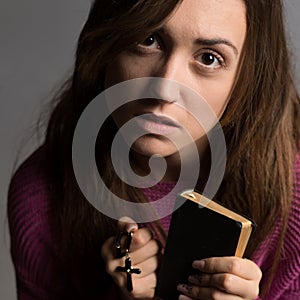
126 224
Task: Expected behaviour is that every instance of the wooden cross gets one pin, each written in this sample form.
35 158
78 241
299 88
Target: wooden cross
128 269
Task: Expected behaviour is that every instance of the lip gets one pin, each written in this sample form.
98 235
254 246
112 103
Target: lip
157 124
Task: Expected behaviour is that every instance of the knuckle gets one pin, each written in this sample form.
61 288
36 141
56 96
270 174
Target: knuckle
156 262
120 280
140 237
234 266
227 282
109 268
154 246
215 295
210 263
255 292
259 274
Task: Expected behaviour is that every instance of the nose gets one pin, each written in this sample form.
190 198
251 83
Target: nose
172 67
171 71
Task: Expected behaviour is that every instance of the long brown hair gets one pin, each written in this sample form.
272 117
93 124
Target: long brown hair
262 126
261 122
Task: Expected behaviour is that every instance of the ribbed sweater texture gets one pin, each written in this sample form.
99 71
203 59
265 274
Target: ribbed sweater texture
35 243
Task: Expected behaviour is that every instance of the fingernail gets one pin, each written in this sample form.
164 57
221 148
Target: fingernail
131 227
198 264
185 288
127 224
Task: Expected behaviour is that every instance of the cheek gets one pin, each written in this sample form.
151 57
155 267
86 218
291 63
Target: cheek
114 74
219 104
124 68
194 128
218 96
122 114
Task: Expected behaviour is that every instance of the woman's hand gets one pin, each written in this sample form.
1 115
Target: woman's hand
223 278
144 252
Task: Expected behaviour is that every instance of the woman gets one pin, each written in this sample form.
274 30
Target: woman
234 54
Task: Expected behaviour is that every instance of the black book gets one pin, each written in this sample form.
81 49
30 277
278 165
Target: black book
200 228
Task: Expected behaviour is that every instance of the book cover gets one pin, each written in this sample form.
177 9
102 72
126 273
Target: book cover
200 228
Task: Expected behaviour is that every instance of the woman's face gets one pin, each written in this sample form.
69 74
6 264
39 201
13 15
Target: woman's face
199 47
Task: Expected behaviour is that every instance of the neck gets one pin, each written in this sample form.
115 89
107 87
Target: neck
140 163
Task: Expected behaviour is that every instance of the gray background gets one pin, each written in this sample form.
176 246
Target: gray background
37 45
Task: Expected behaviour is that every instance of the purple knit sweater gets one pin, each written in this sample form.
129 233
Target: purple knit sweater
34 244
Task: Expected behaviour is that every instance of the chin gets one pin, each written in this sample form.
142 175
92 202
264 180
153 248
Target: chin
148 147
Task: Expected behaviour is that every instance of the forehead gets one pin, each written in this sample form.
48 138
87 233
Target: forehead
209 18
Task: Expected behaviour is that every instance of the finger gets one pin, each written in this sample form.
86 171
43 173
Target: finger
145 252
140 283
147 283
126 224
229 283
140 238
234 265
107 252
183 297
205 293
147 267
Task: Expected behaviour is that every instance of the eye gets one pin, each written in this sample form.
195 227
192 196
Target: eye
150 42
210 59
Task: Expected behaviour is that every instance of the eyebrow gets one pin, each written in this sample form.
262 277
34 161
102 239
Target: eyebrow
207 42
212 42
